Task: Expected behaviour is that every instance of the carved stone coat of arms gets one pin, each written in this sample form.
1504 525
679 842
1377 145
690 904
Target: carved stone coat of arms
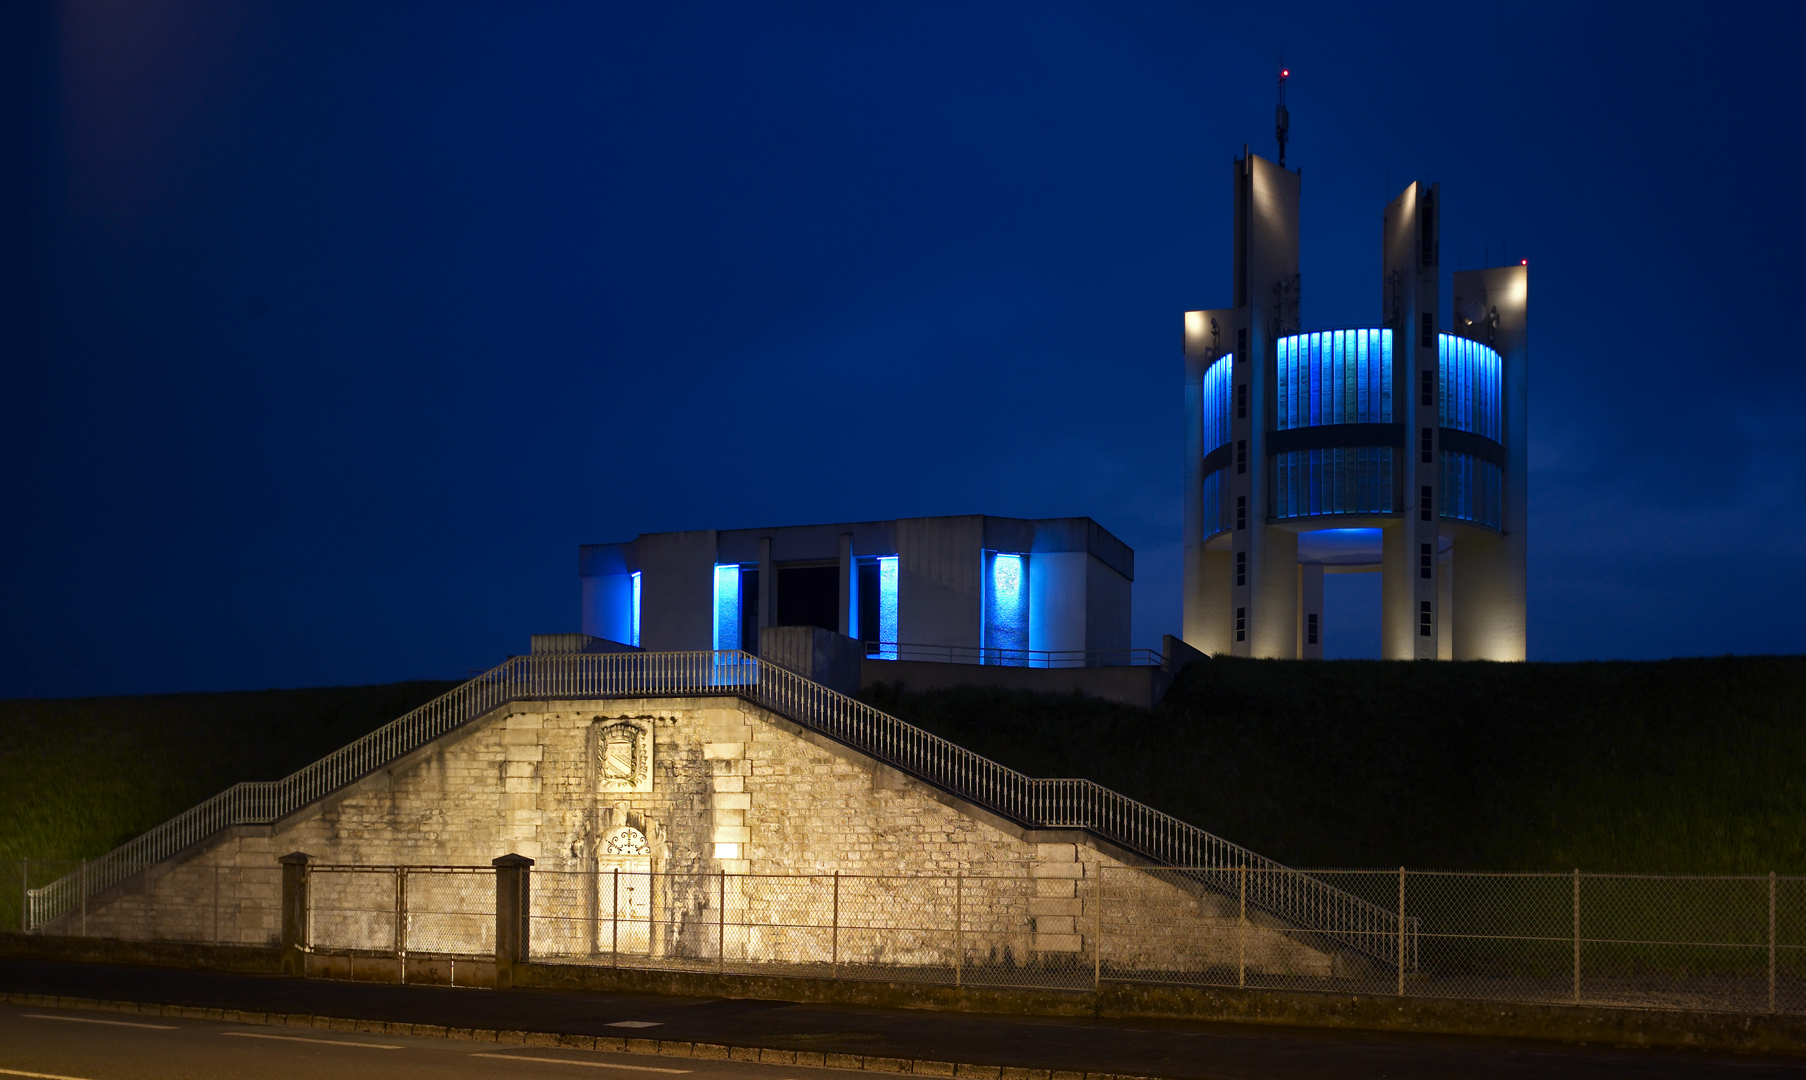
624 754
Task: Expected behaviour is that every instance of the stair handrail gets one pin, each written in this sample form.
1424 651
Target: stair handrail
1292 896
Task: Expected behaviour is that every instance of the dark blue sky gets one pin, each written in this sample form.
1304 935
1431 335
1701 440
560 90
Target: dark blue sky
330 330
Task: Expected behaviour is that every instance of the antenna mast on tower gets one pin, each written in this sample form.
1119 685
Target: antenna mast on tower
1282 120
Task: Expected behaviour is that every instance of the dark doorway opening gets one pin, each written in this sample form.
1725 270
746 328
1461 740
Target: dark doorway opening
809 596
868 605
749 611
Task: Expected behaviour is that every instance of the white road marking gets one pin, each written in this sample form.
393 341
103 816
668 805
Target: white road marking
322 1042
636 1023
88 1020
589 1064
40 1076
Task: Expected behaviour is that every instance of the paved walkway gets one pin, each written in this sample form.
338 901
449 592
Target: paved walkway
1143 1047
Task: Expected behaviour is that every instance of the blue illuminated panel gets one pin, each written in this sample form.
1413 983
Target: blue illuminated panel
1213 503
727 607
1335 377
1352 480
1006 609
1472 490
887 607
635 640
1469 387
1218 380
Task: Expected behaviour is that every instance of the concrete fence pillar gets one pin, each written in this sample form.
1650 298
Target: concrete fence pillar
513 906
294 914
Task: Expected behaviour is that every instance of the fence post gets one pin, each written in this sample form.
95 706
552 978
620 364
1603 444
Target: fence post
1401 931
401 924
834 934
614 944
82 883
1576 937
294 914
721 923
1097 932
1771 941
513 905
1241 926
959 930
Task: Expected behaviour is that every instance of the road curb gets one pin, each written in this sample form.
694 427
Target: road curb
614 1044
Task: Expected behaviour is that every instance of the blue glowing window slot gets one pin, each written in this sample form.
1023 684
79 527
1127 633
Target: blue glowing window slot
1334 377
887 607
635 622
727 607
1217 387
1470 386
1213 503
1006 609
1336 480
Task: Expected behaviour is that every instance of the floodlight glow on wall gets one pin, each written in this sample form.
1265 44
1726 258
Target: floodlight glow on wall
1006 609
727 607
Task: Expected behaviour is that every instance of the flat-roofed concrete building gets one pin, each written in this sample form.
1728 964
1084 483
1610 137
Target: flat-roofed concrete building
1396 448
971 589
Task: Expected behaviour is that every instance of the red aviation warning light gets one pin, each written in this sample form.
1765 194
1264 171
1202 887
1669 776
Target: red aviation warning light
1282 120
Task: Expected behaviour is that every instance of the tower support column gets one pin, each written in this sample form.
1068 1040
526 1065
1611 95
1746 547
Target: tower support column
1310 611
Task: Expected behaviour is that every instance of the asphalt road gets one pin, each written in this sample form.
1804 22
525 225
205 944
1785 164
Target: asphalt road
74 1045
182 1048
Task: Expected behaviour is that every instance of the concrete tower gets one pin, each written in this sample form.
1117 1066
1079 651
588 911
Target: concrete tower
1396 448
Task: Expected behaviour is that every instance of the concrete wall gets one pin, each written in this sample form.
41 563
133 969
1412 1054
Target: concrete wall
677 591
940 598
1057 601
1138 686
833 660
1266 298
1205 601
1489 599
1109 598
1409 290
607 607
605 576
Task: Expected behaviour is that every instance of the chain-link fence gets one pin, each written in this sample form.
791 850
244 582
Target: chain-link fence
179 902
396 911
956 929
1722 944
1719 944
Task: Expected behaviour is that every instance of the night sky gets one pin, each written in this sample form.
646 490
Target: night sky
330 330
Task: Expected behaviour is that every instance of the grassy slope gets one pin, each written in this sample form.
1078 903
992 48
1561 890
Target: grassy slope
79 776
1685 766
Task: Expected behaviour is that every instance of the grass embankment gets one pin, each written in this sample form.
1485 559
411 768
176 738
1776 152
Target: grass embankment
1680 766
79 776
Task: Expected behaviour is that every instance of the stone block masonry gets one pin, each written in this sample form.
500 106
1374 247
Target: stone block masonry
659 797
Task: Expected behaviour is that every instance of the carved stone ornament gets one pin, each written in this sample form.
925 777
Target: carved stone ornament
624 755
625 840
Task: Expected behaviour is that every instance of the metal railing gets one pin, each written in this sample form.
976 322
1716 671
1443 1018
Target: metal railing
1001 657
1296 898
